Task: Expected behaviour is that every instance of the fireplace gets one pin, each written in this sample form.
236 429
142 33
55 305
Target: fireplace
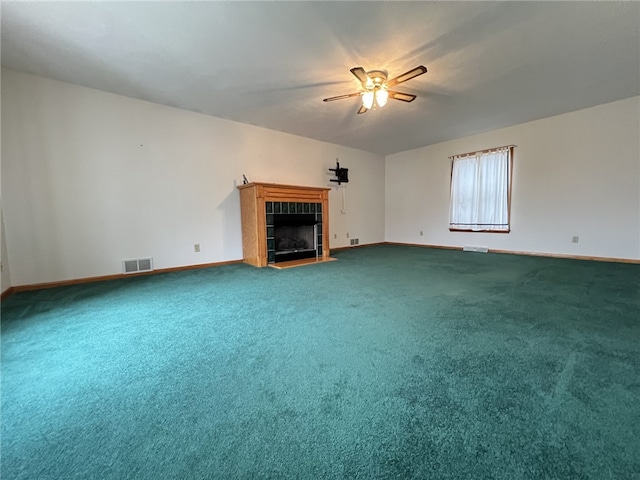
284 224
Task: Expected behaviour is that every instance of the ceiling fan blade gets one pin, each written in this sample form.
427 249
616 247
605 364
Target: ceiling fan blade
405 97
362 109
361 74
340 97
413 73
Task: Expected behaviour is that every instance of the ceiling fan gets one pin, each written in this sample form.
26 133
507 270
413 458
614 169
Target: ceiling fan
376 87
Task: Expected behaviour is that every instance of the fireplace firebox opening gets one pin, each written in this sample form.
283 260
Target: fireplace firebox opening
295 236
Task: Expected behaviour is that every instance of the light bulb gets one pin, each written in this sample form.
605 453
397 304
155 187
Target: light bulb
367 99
381 97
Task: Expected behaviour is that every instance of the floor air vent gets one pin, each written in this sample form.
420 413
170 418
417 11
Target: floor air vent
135 265
469 248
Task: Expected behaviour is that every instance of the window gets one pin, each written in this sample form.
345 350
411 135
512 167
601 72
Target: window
481 191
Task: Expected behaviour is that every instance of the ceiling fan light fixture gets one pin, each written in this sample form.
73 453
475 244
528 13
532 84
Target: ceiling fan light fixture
381 97
367 99
376 87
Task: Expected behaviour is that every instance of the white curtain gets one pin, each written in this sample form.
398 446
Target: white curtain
480 191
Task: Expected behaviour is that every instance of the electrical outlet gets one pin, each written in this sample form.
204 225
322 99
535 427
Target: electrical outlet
421 233
575 239
196 247
347 235
335 235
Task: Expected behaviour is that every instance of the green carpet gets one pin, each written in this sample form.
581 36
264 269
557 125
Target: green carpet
393 362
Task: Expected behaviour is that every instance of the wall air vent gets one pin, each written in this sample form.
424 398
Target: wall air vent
136 265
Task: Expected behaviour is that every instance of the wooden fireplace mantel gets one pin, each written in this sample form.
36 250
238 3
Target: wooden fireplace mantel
255 198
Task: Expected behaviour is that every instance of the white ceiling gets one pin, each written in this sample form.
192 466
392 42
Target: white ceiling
491 64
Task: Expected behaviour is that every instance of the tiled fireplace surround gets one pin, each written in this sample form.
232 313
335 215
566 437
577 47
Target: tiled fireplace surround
294 230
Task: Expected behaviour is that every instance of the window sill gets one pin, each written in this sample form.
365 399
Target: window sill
478 231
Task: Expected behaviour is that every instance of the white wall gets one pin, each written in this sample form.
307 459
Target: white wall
574 174
5 276
91 178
